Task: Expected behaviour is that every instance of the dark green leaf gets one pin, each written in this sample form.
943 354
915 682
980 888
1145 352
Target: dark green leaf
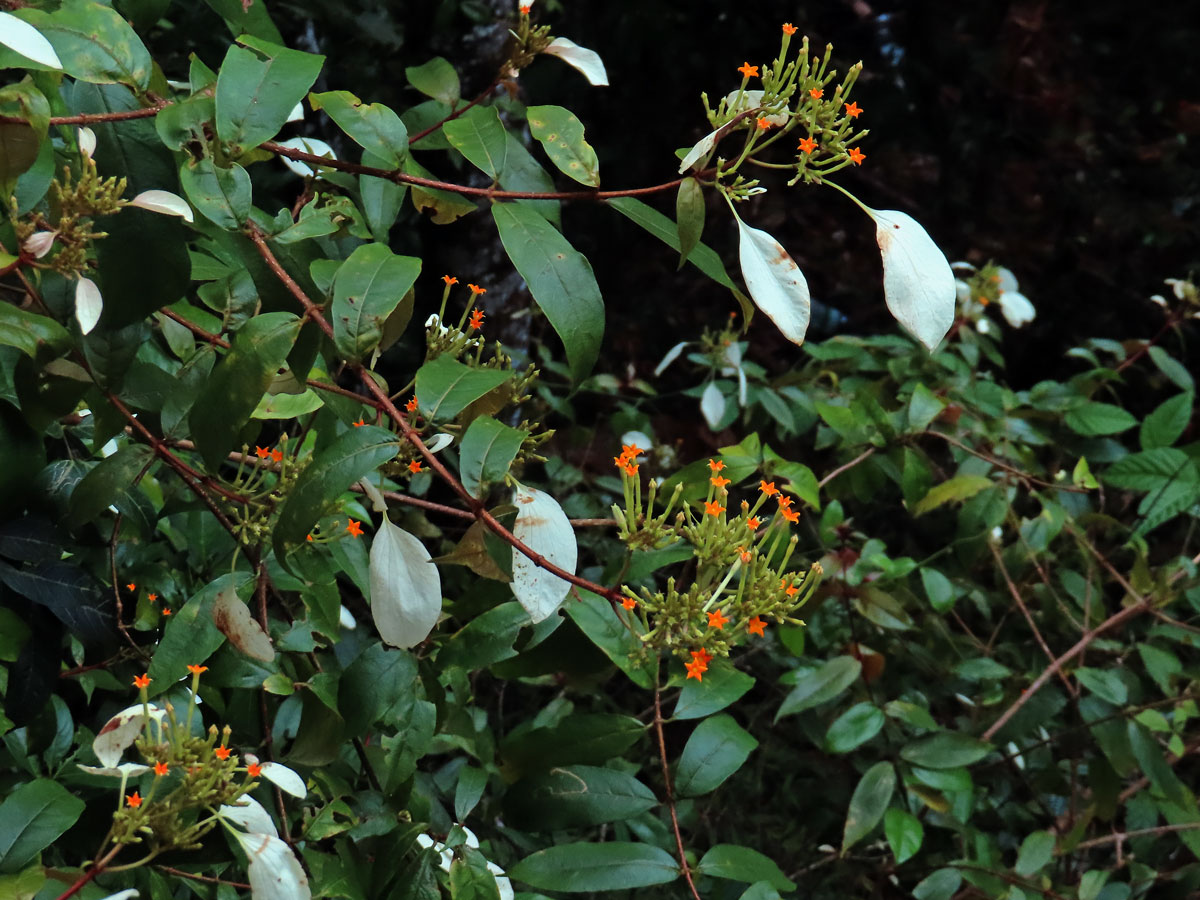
703 257
190 637
68 592
486 639
938 589
470 878
598 620
29 332
221 195
580 738
612 866
868 803
743 864
479 136
1037 850
367 288
575 797
1092 419
93 43
722 684
32 818
373 126
1149 470
820 685
379 680
487 450
1104 683
945 750
854 727
445 387
436 79
258 86
560 279
561 135
904 832
106 482
1167 422
716 749
961 487
941 885
689 217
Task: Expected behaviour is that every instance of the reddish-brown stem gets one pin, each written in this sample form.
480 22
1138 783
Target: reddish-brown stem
1005 466
1016 595
846 467
455 114
311 310
97 867
669 791
1140 832
208 879
96 118
1173 320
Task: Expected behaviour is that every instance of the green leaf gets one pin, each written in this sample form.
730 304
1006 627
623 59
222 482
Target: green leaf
1171 367
703 257
436 79
560 279
447 207
904 833
689 217
487 450
190 636
479 136
598 620
743 864
868 803
374 127
381 200
380 680
238 382
468 791
357 452
945 750
21 142
93 43
575 797
1092 419
485 640
243 18
110 479
1150 758
716 749
366 289
923 408
580 738
938 589
470 878
1037 850
221 195
583 868
960 487
258 86
854 727
287 406
941 885
561 135
821 685
760 890
1104 683
524 173
33 816
445 387
1167 422
29 332
722 684
1150 470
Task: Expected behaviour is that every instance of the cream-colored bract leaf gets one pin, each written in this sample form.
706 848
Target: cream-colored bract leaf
163 202
118 734
751 100
670 357
918 282
712 405
774 281
439 442
124 770
406 589
377 502
586 61
87 141
274 871
701 149
88 304
122 895
39 243
1017 308
306 145
19 35
284 779
543 527
249 815
233 619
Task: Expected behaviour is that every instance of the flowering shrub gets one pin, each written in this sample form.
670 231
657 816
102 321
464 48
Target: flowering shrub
400 626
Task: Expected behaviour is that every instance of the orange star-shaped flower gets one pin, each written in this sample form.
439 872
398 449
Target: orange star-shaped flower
716 619
714 508
790 589
141 681
816 93
703 656
476 289
131 586
630 469
808 144
276 456
628 603
152 598
715 465
166 611
134 800
718 481
748 70
791 515
631 451
695 669
853 110
756 626
449 279
526 8
254 770
354 528
221 752
161 768
197 670
411 405
857 156
784 501
414 466
308 537
753 522
768 488
762 123
789 28
476 320
359 424
262 452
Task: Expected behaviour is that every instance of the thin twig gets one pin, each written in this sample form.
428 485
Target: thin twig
209 879
666 771
1121 836
483 95
97 867
97 118
1016 595
845 468
1024 476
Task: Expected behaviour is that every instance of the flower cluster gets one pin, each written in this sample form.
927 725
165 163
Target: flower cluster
990 285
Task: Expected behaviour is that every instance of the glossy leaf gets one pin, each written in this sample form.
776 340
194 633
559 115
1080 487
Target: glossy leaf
703 257
479 136
445 387
743 864
854 727
29 332
716 749
373 126
945 750
486 453
870 799
597 619
820 685
918 284
258 86
436 79
93 43
559 278
575 797
587 867
189 636
904 833
366 290
561 136
406 590
109 479
222 195
543 527
32 817
722 685
774 282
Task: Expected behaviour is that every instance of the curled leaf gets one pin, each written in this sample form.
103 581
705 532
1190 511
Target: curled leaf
586 61
88 304
118 735
918 283
406 589
774 281
163 202
543 527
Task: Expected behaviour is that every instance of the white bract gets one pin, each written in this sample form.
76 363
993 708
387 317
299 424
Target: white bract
88 304
346 619
118 734
712 405
39 243
701 149
274 871
19 35
87 141
284 779
918 283
249 815
438 442
163 202
406 589
122 895
638 439
670 357
446 857
1014 305
543 527
307 145
586 61
750 100
775 282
